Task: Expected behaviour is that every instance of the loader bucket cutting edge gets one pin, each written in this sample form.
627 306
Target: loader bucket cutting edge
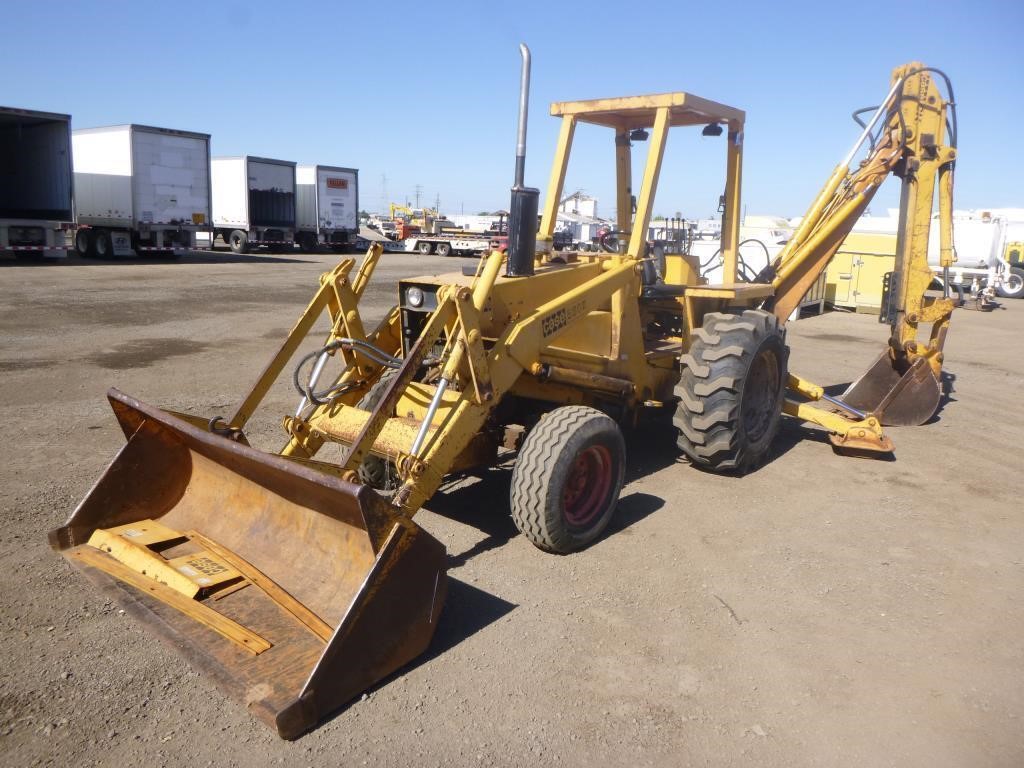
902 399
374 580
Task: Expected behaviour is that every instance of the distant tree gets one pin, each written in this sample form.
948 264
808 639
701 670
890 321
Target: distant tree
484 213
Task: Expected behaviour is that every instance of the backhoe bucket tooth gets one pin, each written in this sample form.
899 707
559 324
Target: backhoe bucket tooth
902 399
331 591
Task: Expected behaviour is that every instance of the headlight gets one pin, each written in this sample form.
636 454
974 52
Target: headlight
415 297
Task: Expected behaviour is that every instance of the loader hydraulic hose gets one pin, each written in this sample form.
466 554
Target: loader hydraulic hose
308 392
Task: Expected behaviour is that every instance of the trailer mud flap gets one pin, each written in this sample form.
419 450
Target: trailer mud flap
307 589
897 398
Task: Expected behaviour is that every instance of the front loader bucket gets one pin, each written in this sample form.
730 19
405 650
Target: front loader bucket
904 399
306 589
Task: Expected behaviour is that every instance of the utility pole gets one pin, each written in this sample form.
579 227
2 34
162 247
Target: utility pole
384 201
437 203
419 191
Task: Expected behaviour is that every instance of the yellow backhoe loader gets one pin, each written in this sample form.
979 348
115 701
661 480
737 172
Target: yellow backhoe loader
297 582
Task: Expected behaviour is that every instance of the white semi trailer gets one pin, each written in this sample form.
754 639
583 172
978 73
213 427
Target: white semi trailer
36 185
140 190
254 202
327 206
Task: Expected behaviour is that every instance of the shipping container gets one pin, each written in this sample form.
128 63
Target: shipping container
36 184
254 202
327 206
140 190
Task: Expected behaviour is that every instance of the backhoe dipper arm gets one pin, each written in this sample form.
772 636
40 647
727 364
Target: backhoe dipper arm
913 122
902 387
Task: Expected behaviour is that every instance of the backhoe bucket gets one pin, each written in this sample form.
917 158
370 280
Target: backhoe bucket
903 399
293 589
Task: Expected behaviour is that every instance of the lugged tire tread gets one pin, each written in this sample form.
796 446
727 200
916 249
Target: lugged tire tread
710 390
690 362
704 390
691 403
707 338
714 355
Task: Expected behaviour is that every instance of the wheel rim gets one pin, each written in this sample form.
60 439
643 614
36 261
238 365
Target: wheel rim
586 488
760 394
1014 284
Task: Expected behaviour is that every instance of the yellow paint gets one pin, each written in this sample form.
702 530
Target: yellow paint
143 561
230 630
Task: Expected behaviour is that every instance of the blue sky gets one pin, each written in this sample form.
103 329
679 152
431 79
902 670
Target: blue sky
426 93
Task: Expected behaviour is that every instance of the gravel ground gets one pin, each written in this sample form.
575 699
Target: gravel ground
821 611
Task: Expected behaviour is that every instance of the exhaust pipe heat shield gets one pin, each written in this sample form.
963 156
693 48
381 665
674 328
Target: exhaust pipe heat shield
906 398
375 580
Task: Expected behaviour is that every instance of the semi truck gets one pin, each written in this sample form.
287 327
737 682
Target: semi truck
448 244
254 202
326 206
36 183
140 190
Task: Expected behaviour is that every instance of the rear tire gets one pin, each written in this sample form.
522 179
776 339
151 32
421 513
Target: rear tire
84 243
425 248
308 242
238 241
1013 286
102 246
567 479
731 390
443 249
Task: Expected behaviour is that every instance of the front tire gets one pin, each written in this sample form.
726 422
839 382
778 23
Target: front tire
376 472
731 390
567 479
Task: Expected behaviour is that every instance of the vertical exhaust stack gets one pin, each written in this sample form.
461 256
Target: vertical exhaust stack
522 219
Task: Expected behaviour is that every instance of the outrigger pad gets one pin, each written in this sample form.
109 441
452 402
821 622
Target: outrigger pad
307 540
902 399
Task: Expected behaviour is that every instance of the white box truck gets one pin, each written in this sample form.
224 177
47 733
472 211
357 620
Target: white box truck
327 206
36 185
254 202
140 190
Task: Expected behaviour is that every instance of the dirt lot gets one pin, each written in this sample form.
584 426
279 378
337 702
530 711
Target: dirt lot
821 611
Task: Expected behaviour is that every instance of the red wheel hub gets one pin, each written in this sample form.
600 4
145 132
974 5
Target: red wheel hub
586 490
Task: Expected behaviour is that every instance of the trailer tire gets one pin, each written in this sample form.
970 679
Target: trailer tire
376 472
238 241
731 390
443 249
1013 286
425 247
308 242
102 245
567 479
84 243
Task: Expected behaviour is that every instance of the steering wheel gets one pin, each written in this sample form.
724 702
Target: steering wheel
609 241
